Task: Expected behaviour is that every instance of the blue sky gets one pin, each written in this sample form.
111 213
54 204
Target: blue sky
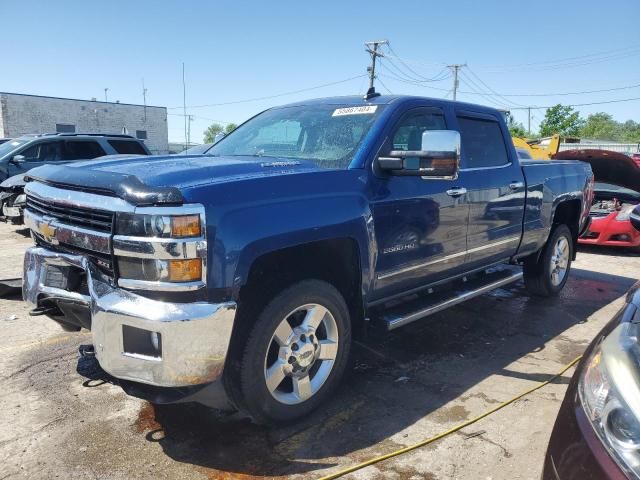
236 50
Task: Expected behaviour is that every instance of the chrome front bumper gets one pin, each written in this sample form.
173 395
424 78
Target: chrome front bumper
195 336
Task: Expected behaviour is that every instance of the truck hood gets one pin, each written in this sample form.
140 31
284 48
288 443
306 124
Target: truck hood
607 166
160 179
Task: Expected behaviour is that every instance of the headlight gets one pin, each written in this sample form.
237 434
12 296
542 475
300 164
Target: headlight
609 390
20 199
624 213
165 226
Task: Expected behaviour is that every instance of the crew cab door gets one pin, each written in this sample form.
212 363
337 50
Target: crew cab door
495 189
420 229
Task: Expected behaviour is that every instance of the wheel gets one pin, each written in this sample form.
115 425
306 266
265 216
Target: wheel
296 353
547 275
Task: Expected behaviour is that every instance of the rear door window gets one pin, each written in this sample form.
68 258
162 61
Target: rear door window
81 150
127 147
41 152
482 143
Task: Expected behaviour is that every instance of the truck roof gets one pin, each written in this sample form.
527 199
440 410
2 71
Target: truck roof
388 99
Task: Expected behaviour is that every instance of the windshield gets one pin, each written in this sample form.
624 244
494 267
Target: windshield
11 145
327 135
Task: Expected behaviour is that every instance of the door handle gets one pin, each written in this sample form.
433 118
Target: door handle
516 185
456 192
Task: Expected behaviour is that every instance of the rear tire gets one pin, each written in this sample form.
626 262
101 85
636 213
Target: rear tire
546 274
296 353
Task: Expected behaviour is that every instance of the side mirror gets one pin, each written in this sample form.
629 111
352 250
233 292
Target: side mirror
18 159
438 157
635 218
219 136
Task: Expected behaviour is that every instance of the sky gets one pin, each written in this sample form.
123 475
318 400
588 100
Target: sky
237 51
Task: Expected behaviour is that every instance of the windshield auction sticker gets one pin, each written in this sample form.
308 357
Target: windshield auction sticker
364 110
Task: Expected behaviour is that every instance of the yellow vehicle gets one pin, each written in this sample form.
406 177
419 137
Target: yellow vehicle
539 148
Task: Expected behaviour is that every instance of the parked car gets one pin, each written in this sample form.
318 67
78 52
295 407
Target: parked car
12 199
55 149
597 432
24 153
616 195
239 278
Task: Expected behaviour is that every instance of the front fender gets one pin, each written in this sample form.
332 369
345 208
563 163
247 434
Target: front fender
246 234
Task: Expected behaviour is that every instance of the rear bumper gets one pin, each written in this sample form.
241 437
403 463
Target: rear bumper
194 337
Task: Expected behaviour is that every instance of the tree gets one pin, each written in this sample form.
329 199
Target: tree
211 132
562 120
516 129
602 126
230 128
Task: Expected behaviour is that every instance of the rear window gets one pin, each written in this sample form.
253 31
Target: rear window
482 143
80 150
127 146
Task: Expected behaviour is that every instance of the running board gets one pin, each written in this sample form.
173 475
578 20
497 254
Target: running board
435 302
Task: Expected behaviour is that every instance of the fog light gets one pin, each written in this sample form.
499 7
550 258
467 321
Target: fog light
185 270
141 342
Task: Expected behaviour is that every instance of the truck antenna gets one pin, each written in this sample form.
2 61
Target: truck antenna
372 48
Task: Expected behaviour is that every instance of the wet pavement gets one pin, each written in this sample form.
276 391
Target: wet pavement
61 418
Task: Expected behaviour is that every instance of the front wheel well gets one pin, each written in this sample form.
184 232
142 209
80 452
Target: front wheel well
336 261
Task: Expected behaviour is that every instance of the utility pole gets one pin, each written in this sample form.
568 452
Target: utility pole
529 122
455 67
105 94
144 100
372 48
190 119
184 107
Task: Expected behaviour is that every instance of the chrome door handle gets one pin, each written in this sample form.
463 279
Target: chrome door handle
516 185
456 192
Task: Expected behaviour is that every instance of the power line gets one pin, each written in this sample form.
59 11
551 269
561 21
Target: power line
621 100
438 77
256 99
559 94
568 62
511 102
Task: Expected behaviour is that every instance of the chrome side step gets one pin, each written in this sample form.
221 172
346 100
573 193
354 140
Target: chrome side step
435 302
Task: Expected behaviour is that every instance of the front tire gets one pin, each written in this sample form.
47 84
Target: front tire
296 353
547 274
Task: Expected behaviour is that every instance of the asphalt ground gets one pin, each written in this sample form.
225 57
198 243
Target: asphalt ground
60 417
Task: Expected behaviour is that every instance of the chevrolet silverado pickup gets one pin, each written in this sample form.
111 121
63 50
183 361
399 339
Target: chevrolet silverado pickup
238 278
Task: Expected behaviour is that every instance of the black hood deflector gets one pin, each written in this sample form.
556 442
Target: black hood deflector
127 187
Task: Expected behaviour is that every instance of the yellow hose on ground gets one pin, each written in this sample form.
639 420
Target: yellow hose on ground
404 450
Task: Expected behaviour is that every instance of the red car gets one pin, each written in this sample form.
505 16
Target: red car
616 193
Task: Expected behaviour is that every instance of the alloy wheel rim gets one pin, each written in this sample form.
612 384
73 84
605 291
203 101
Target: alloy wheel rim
301 354
559 261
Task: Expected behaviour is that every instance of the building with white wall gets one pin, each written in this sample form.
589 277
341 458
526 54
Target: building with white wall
22 114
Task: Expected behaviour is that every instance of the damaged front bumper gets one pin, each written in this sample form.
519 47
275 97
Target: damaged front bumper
141 340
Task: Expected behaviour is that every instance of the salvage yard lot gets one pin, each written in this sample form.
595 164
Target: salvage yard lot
403 387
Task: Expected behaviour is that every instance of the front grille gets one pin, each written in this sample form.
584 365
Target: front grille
98 220
103 261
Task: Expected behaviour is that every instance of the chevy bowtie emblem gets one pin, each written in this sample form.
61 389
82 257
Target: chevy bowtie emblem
48 231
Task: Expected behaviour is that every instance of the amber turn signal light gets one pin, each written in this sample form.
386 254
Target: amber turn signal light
185 226
185 270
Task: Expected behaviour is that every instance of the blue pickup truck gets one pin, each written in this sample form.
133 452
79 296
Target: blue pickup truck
239 278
